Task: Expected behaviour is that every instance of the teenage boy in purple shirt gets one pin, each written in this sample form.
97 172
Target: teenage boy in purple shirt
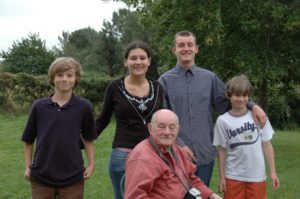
57 124
192 93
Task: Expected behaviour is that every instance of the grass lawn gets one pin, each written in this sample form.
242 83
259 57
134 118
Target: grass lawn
13 186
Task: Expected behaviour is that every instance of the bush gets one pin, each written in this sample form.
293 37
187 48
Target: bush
19 91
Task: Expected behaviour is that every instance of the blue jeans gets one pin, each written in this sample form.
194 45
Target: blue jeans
117 170
204 172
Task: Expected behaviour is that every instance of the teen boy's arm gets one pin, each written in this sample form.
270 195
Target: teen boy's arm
269 153
28 149
221 161
89 149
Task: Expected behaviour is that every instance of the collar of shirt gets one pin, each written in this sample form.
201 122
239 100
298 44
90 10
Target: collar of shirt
164 151
71 102
182 70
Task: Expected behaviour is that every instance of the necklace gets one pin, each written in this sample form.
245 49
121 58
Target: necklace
142 103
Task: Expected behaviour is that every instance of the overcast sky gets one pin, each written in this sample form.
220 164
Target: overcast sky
50 18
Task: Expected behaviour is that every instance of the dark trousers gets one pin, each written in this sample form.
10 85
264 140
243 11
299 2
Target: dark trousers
204 172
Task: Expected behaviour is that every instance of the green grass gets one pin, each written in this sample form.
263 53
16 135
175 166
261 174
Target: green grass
13 186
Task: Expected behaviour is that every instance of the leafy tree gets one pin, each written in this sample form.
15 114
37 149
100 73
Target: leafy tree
82 45
260 41
110 51
29 55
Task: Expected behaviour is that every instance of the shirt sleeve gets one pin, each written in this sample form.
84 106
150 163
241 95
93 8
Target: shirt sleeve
267 132
30 130
220 102
219 135
139 182
89 126
166 102
161 96
107 108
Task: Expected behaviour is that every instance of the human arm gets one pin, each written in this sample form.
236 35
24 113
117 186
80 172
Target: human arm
258 114
214 196
104 117
189 153
89 149
269 153
221 161
161 98
28 150
139 179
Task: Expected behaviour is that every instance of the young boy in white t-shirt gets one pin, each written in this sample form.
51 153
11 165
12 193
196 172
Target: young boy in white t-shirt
242 172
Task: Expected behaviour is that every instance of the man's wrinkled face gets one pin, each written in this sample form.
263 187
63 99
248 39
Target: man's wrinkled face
164 128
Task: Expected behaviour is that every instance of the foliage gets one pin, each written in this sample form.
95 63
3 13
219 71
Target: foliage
29 55
260 42
93 88
19 90
82 45
110 51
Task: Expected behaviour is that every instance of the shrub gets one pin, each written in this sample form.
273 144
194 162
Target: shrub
19 91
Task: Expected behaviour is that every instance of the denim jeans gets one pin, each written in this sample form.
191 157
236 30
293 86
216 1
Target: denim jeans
204 172
117 170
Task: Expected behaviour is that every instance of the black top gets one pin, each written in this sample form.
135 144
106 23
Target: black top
132 113
58 160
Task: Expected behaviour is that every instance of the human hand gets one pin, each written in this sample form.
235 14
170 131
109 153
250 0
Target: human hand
275 181
27 174
189 153
88 172
222 186
259 116
214 196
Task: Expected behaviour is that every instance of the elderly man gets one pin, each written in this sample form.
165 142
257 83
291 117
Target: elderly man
158 168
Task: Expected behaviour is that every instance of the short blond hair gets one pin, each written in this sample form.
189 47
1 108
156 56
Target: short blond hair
239 85
63 64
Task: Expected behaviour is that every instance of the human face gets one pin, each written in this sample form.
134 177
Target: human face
238 103
137 62
185 50
65 81
164 128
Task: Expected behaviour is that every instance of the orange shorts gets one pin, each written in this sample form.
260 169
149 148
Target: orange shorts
240 190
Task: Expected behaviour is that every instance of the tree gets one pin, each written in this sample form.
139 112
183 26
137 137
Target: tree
261 41
110 51
82 45
29 55
257 38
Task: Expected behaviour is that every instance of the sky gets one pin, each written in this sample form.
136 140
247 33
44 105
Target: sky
49 18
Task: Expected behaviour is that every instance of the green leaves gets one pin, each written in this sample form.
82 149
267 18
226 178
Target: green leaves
29 55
